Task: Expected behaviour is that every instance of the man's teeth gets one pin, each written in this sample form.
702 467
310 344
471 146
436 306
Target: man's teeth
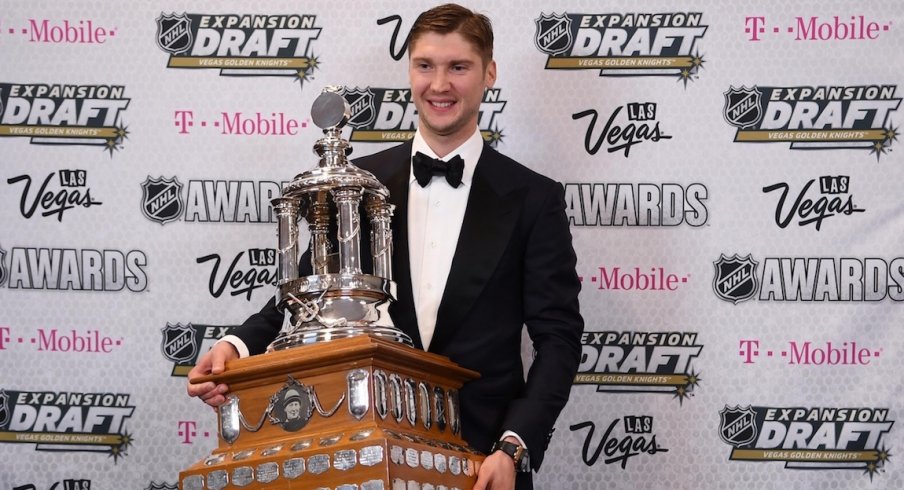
442 105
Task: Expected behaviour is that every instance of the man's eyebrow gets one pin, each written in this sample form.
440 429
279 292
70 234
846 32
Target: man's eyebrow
427 59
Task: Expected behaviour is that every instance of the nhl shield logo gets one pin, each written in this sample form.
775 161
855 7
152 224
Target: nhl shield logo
179 342
735 279
738 425
4 408
553 33
362 107
4 273
161 199
743 106
174 33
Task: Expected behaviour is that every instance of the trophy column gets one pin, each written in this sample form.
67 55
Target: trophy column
349 230
381 236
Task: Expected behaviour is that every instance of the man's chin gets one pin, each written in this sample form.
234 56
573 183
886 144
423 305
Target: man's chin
445 130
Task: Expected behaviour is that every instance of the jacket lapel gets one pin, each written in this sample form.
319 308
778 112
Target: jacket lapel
402 309
491 214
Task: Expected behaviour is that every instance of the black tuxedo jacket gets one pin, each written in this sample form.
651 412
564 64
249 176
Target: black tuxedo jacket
514 265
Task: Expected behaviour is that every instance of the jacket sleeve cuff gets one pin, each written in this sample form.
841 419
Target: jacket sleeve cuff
506 434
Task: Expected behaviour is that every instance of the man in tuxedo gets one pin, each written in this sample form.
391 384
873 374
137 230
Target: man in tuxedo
482 249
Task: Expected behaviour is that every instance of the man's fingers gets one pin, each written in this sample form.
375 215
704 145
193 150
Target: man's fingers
200 389
216 400
214 397
217 390
217 363
219 355
482 480
496 473
208 395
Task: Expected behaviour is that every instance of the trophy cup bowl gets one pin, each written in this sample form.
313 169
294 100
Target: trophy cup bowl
339 299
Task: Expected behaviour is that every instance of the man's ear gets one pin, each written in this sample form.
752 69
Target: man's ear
490 75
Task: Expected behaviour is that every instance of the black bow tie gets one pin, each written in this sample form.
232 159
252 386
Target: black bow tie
425 168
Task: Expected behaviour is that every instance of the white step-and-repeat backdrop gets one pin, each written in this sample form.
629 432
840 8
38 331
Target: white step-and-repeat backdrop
733 175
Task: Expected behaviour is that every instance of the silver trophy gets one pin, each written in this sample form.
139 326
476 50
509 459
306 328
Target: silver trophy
338 300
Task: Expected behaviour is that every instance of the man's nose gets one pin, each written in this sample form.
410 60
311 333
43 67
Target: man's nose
440 81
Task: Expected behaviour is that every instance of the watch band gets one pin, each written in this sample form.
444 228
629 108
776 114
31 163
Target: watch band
517 452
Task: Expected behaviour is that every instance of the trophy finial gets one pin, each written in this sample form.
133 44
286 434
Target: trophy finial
330 110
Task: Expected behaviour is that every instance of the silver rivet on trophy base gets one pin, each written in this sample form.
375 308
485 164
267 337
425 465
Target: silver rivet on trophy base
243 454
214 459
270 451
329 441
361 435
301 445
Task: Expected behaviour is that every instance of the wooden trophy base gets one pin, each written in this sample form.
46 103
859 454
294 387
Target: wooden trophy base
359 413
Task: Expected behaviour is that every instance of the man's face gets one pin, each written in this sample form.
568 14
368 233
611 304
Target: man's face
293 410
448 79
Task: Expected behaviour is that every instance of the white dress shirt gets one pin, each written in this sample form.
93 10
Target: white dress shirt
435 215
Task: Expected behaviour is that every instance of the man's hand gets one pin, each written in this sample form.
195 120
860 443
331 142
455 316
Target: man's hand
212 362
497 472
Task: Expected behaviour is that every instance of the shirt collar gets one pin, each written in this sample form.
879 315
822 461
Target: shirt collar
470 152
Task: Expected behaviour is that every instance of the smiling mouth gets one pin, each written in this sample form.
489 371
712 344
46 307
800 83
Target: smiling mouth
442 105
